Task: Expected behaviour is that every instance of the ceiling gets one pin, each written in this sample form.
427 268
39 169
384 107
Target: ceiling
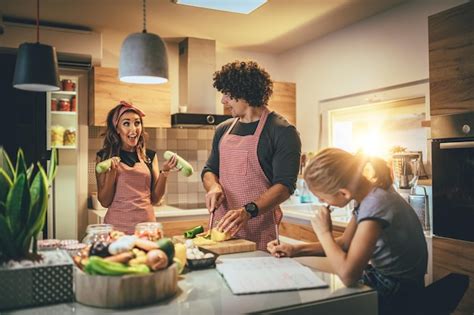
275 27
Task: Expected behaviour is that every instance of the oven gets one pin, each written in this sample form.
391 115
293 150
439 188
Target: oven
453 175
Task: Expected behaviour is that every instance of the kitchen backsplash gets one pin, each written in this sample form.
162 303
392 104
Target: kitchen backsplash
192 144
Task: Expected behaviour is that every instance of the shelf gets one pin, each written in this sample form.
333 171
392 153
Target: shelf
65 147
65 92
57 112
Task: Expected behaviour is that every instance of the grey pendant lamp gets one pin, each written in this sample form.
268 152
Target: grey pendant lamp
36 67
143 57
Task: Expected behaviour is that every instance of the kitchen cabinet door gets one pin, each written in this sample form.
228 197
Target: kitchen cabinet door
106 91
283 101
451 51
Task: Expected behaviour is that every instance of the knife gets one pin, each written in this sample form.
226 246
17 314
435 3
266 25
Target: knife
211 221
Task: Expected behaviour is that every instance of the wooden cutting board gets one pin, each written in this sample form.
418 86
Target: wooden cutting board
226 247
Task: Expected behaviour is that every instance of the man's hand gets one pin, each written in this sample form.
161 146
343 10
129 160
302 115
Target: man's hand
214 197
233 221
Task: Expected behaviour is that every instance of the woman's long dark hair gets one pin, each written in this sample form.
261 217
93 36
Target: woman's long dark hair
113 143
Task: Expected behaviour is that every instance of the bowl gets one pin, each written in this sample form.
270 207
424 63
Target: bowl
202 263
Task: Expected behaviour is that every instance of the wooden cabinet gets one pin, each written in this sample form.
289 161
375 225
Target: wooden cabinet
304 232
455 256
283 101
106 91
451 60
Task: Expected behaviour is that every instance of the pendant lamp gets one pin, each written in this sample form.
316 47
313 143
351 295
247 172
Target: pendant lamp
36 66
143 57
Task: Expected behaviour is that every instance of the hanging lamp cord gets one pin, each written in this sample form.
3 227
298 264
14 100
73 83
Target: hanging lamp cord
144 16
37 21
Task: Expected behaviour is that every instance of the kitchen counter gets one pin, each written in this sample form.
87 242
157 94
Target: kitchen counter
205 292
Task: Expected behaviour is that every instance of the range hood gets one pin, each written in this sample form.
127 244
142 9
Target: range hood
197 64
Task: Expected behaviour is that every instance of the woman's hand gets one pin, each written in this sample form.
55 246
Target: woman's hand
168 165
321 222
280 250
214 198
233 221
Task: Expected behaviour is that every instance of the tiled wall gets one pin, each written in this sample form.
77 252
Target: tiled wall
192 144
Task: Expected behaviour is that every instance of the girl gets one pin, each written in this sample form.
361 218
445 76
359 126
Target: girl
383 244
134 183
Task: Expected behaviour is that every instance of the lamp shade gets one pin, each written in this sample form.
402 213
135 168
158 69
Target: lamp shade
143 59
36 68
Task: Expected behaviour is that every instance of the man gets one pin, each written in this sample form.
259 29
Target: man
254 162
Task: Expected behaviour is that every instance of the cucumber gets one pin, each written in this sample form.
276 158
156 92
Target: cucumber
105 165
182 164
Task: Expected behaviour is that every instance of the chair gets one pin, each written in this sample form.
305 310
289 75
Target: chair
443 296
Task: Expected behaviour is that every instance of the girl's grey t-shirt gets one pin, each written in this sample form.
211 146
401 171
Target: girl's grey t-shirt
401 250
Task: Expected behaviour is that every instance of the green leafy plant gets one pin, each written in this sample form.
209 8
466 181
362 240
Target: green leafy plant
23 205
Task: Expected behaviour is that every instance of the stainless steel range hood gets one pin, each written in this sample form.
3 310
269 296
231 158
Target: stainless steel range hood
197 64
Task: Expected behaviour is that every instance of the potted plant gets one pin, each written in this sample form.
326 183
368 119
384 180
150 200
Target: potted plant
23 207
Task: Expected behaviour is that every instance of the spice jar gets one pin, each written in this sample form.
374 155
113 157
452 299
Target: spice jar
70 136
68 85
54 104
73 104
97 233
64 105
152 231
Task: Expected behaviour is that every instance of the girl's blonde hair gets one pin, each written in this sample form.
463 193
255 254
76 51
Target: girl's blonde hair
332 169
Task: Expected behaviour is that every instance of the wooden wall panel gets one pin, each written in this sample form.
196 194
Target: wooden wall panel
303 232
172 228
451 61
455 256
106 91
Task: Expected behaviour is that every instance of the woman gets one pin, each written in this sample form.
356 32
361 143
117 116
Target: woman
255 157
134 183
383 244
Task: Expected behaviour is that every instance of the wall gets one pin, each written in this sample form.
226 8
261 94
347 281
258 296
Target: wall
385 50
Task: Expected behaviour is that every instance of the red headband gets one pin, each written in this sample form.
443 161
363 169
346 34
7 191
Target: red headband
125 107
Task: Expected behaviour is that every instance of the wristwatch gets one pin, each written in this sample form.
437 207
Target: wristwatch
251 208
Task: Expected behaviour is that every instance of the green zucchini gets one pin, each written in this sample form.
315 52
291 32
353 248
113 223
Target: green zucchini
192 233
105 165
182 164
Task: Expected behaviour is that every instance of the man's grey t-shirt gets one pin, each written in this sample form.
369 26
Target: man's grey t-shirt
401 250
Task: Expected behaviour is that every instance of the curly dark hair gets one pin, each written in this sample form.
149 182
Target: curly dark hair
244 80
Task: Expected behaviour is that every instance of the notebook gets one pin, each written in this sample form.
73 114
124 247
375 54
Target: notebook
266 274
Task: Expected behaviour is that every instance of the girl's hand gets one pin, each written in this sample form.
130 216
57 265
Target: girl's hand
168 165
321 222
280 250
233 221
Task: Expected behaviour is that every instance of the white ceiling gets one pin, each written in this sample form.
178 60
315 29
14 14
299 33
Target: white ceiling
275 27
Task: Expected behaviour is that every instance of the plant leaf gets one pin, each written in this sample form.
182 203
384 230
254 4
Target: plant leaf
20 163
6 239
29 172
6 164
5 185
18 204
38 210
53 165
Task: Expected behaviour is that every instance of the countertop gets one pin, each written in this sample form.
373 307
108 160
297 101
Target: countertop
205 292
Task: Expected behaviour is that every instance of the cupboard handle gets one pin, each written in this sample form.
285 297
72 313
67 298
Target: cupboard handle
456 145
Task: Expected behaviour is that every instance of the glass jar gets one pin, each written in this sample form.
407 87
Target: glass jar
70 136
152 231
97 232
68 85
64 105
73 104
57 135
54 104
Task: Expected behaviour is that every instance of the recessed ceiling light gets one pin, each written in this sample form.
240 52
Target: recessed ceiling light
235 6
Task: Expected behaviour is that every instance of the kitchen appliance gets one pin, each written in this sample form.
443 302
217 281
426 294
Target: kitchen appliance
407 169
419 200
453 175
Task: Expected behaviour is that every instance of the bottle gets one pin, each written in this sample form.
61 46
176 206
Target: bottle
97 232
305 195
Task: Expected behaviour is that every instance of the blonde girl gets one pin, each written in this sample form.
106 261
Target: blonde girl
383 245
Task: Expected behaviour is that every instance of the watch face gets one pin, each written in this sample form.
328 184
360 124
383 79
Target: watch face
251 208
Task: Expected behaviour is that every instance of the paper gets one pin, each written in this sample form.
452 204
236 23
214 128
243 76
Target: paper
266 274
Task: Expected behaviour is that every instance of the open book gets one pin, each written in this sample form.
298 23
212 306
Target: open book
266 274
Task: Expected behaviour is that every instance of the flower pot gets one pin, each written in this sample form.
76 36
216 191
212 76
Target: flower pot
39 284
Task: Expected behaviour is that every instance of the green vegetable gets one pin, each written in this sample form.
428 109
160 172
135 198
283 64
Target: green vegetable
182 164
166 245
23 204
192 233
100 266
105 165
